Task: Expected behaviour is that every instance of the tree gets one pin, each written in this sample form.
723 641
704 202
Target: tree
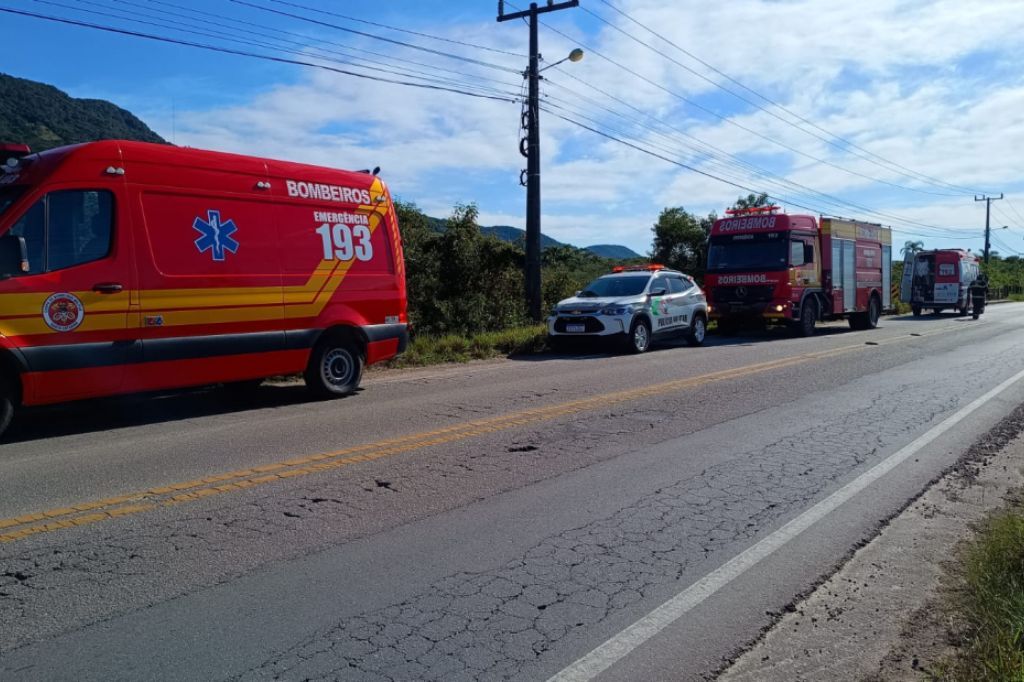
681 240
752 201
911 247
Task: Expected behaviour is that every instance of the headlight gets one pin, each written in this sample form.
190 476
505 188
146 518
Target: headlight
617 310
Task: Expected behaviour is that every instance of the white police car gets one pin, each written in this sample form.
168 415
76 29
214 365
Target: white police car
635 304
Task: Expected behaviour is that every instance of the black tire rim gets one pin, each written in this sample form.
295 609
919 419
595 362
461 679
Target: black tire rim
337 369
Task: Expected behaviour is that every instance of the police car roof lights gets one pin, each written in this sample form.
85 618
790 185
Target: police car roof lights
652 267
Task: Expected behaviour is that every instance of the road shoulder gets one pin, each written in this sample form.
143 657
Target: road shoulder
878 618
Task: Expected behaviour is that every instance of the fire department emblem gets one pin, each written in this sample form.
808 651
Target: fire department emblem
63 312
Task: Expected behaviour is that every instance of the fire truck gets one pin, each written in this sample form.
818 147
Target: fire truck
769 266
128 267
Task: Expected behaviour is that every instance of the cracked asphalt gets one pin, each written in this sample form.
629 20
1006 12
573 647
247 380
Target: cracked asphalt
505 555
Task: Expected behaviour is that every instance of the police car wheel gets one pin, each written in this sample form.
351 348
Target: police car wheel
698 330
335 368
639 336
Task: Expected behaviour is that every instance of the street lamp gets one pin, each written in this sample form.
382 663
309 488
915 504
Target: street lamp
574 56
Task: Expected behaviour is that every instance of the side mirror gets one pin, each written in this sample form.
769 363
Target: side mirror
578 292
808 253
660 291
13 256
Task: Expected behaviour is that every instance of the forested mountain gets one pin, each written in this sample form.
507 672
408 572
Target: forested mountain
43 117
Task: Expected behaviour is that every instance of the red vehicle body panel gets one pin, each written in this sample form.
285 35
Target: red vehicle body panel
841 263
220 268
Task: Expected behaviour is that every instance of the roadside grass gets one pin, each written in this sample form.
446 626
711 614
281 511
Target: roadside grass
989 601
1017 297
431 350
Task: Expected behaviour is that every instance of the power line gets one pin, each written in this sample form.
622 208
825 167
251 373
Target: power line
401 30
339 48
739 185
372 36
737 161
874 158
244 53
192 29
735 124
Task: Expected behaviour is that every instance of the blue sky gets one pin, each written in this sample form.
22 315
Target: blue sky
921 88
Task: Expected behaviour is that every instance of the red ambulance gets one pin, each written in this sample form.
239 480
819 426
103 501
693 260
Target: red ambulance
128 266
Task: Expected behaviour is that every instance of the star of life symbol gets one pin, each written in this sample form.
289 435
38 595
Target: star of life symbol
215 235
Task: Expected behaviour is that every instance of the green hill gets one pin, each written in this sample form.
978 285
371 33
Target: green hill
43 117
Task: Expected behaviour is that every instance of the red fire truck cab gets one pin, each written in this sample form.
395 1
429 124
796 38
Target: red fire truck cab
764 265
127 267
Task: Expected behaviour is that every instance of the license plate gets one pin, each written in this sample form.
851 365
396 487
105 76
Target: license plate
575 328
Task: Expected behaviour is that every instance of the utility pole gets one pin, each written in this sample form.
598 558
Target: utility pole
532 115
988 211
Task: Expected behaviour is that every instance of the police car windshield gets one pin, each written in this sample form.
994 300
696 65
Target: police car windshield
616 285
7 197
732 253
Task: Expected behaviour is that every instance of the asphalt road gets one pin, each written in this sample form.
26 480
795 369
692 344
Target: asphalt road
498 520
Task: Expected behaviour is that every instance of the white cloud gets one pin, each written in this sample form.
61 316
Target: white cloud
904 79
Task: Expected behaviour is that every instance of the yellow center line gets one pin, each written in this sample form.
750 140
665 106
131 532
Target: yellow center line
176 493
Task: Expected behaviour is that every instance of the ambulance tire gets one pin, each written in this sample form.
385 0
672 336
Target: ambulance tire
7 400
964 309
808 317
335 367
639 339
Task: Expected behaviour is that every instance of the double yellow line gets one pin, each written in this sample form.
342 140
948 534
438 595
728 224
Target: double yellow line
27 525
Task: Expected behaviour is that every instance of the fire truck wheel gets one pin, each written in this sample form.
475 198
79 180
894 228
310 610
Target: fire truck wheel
335 367
916 310
639 336
869 318
698 330
808 317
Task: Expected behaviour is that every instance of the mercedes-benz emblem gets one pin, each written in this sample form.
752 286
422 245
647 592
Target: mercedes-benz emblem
741 292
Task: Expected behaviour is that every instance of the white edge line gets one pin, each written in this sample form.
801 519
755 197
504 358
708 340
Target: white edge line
618 647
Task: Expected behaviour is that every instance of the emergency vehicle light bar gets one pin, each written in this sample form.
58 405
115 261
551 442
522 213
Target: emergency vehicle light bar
11 154
653 267
753 210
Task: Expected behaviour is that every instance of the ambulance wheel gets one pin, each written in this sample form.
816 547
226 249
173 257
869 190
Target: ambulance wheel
7 400
808 317
698 330
639 336
964 309
335 367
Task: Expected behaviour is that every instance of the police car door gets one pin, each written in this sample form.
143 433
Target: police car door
680 304
661 304
689 301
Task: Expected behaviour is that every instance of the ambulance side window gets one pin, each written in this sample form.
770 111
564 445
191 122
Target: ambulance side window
67 228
